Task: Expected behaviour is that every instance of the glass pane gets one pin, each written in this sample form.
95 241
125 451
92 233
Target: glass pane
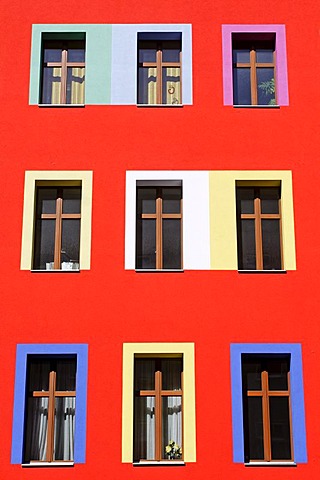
147 200
171 54
171 86
36 429
245 197
278 373
146 243
254 429
241 86
171 373
147 85
75 85
51 85
171 427
66 374
64 428
251 375
44 244
271 244
70 244
76 54
171 243
46 200
269 200
147 55
247 246
52 55
280 428
39 370
171 200
144 428
266 86
71 200
264 55
241 56
144 374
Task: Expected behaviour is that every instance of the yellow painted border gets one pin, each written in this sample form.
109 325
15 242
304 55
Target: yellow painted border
189 418
34 178
223 228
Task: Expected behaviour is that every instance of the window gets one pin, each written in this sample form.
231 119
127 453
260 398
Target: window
51 402
63 71
268 417
266 400
253 69
157 408
159 69
50 397
158 232
255 65
57 230
259 228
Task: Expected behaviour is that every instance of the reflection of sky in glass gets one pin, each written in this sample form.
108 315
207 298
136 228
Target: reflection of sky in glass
241 86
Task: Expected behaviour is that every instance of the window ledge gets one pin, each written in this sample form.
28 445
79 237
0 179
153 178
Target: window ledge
163 463
256 106
56 271
270 464
48 464
163 270
62 105
157 105
262 271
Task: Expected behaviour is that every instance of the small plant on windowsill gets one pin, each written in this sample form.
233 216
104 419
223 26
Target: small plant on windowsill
173 450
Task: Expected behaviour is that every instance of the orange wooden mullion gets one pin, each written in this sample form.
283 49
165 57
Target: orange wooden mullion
51 410
266 416
159 255
258 234
63 91
58 229
158 400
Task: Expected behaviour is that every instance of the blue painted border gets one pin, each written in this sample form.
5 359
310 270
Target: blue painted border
23 350
297 396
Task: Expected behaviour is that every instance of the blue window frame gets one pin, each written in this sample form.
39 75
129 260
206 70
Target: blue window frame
297 396
23 350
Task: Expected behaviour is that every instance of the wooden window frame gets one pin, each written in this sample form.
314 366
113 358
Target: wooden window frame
158 216
63 64
51 394
265 394
158 393
159 65
253 65
58 216
257 216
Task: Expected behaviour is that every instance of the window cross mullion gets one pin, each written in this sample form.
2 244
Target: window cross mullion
258 233
253 77
159 75
58 232
266 416
158 401
64 72
51 411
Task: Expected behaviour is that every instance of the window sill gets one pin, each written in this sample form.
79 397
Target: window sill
163 463
270 464
56 271
159 105
163 270
256 106
48 464
62 105
262 271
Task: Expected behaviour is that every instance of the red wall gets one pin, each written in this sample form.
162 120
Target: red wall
107 305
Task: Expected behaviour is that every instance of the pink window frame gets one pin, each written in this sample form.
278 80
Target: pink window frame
281 59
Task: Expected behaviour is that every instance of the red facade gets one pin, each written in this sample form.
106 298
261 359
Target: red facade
107 305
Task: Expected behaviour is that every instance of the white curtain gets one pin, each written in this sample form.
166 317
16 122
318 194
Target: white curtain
64 428
39 429
174 419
